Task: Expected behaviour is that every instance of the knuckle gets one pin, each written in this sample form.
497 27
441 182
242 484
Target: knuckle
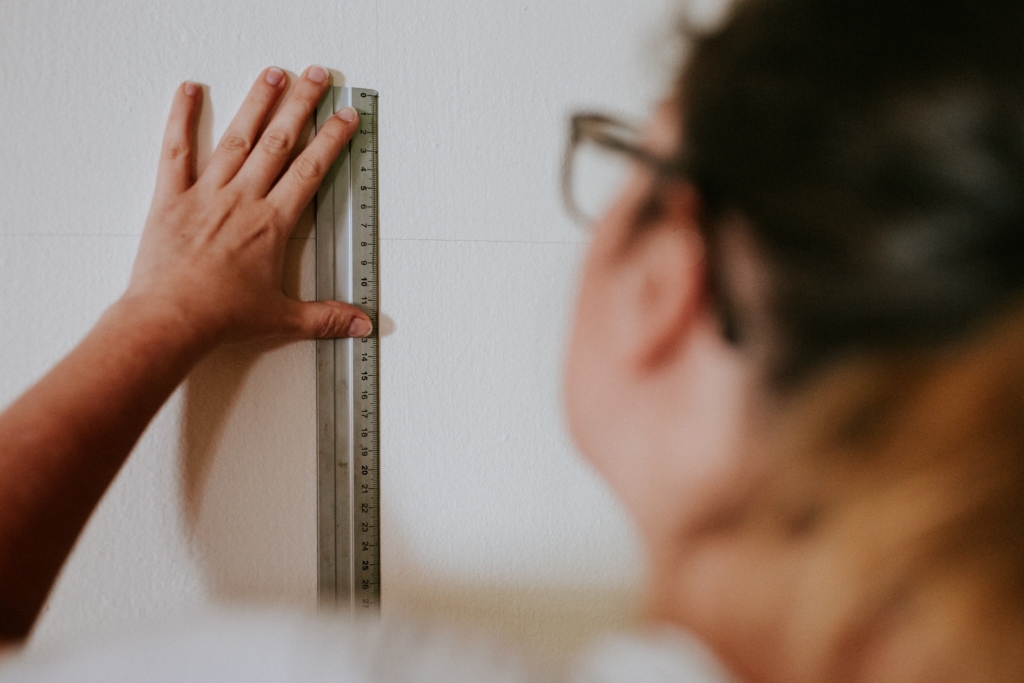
236 143
176 151
263 226
333 323
336 135
276 216
263 232
307 169
276 141
309 95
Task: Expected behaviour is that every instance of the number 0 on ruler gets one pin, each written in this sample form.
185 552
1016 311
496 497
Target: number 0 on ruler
347 370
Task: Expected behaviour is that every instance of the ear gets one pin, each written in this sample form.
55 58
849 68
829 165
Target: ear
661 292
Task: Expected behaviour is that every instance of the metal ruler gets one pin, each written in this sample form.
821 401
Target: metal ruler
347 370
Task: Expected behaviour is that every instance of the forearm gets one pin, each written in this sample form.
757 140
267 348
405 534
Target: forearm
208 271
63 442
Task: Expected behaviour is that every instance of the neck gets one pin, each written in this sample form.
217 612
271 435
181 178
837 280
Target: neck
801 609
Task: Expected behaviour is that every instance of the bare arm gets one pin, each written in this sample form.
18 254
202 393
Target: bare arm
208 271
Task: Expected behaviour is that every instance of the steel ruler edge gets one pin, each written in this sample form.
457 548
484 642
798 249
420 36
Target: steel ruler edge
347 370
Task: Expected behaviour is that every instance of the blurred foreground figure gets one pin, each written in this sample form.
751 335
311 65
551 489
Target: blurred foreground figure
797 358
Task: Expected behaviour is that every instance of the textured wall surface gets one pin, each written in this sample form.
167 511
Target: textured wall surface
488 514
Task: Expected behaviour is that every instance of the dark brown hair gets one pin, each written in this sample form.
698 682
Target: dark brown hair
875 148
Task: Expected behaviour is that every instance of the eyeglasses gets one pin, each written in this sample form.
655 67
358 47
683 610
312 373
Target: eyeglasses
601 155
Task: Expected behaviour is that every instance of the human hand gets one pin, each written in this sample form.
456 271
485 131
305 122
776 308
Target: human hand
212 252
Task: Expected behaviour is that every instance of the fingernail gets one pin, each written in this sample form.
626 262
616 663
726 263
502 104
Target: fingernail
348 114
317 74
359 328
274 76
191 89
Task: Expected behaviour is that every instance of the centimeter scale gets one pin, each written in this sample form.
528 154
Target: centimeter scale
348 379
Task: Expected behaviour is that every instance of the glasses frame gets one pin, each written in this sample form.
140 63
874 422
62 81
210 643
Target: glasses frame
611 133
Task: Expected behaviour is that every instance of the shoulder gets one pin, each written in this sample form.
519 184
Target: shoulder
277 647
280 647
660 655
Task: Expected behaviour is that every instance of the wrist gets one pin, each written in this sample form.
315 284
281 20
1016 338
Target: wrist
164 325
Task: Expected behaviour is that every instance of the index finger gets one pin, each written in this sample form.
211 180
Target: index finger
175 173
299 184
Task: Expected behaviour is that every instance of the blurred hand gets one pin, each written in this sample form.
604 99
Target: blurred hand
212 252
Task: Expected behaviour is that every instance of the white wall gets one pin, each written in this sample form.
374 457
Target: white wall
488 514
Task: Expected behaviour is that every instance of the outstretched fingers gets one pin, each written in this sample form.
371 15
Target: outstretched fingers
275 145
238 140
299 184
176 171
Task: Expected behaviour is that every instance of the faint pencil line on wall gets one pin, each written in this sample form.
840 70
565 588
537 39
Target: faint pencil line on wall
443 239
78 235
70 234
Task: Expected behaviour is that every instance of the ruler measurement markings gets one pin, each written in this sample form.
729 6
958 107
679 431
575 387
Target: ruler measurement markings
357 520
366 584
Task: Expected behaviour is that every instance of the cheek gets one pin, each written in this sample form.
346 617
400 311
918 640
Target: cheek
616 419
582 380
609 430
600 396
590 365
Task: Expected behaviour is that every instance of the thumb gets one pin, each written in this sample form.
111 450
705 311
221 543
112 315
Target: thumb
329 320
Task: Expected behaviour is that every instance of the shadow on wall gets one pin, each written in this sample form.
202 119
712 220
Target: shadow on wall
247 465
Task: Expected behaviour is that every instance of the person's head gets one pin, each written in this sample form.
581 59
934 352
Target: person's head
805 324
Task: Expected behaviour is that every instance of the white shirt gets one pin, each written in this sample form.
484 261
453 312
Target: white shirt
261 647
